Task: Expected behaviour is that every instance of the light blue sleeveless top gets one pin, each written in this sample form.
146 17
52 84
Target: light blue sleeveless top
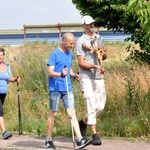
4 78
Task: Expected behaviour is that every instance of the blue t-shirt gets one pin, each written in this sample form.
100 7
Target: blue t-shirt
59 60
4 78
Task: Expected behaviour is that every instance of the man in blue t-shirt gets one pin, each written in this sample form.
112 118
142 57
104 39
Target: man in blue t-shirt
60 87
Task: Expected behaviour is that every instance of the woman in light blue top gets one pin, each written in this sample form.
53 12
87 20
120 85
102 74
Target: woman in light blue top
5 78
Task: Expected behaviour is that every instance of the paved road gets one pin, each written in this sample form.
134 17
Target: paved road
37 143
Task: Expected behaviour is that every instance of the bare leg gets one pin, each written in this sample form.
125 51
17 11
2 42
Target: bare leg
2 124
85 120
93 129
50 123
72 114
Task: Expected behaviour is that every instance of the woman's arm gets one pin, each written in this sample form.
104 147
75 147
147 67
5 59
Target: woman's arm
13 79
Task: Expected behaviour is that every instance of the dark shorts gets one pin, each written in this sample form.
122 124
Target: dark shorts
2 99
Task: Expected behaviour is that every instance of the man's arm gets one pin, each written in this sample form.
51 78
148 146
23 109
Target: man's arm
52 73
84 65
76 76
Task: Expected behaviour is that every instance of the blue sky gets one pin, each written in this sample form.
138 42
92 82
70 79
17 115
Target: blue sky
15 13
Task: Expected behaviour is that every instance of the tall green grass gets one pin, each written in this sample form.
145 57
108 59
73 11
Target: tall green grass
127 110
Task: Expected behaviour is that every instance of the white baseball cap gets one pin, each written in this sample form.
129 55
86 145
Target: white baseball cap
87 20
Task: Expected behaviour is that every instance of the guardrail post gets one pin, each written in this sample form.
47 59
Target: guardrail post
24 27
59 30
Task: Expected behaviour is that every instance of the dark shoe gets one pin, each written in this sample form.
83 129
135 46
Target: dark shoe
50 144
83 143
6 135
96 140
83 127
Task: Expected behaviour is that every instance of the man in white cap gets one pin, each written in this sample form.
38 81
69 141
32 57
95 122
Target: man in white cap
92 81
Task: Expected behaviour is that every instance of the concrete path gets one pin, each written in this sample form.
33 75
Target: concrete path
37 143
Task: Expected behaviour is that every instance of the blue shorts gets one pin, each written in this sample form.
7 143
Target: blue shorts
55 97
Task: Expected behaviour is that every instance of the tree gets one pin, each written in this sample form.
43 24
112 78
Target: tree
129 16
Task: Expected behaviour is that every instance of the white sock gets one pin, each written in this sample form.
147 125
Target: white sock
48 138
80 138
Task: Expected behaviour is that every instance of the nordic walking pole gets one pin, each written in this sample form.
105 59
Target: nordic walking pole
19 110
73 139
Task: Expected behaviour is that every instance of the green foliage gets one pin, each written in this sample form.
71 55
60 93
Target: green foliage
138 106
130 16
133 98
140 9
